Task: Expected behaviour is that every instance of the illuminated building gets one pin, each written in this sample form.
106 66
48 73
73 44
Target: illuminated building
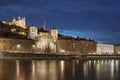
46 41
16 45
78 46
43 41
32 32
105 49
117 49
20 22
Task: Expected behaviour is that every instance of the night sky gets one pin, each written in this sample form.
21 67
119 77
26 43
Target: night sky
94 19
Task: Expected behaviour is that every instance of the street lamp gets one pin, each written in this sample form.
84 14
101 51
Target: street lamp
33 48
18 47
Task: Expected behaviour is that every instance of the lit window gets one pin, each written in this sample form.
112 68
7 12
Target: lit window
73 45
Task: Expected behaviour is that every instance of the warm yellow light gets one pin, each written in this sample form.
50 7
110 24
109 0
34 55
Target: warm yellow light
62 64
22 33
61 50
13 30
33 46
18 45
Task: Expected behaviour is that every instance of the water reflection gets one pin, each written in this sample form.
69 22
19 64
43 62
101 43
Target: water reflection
46 70
17 70
59 70
62 64
33 67
102 69
33 76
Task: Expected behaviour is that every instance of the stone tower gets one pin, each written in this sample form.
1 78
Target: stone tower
54 37
32 32
54 34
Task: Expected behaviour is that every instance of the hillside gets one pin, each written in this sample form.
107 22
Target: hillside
12 31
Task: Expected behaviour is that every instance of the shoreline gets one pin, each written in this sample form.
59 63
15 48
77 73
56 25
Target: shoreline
55 56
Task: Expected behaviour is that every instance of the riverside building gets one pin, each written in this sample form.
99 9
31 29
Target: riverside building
105 49
42 41
117 49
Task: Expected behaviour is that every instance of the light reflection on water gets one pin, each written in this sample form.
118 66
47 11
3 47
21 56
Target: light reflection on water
59 70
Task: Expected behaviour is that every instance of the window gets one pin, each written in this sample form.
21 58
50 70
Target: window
73 45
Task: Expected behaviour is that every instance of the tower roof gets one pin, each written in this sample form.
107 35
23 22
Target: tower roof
44 25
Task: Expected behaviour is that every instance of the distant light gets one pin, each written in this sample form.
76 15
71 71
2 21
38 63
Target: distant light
18 45
61 50
17 67
62 65
33 46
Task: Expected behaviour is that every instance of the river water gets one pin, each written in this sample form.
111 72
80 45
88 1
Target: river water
59 70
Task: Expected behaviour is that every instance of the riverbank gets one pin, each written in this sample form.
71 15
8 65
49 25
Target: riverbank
34 56
54 56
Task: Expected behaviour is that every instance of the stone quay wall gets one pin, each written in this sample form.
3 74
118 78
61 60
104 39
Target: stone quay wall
16 45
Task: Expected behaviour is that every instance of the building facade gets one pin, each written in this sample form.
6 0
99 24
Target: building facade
43 41
17 45
46 41
32 32
117 49
21 22
77 47
105 49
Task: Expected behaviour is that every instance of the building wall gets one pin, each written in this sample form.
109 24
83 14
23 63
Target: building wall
117 49
45 43
76 47
32 32
16 45
54 34
105 49
42 41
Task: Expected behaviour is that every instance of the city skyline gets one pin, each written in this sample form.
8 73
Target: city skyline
96 19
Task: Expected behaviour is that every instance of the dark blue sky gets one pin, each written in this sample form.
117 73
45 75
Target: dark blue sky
95 19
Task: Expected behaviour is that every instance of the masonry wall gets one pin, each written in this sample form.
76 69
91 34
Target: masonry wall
105 49
65 46
117 49
16 45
